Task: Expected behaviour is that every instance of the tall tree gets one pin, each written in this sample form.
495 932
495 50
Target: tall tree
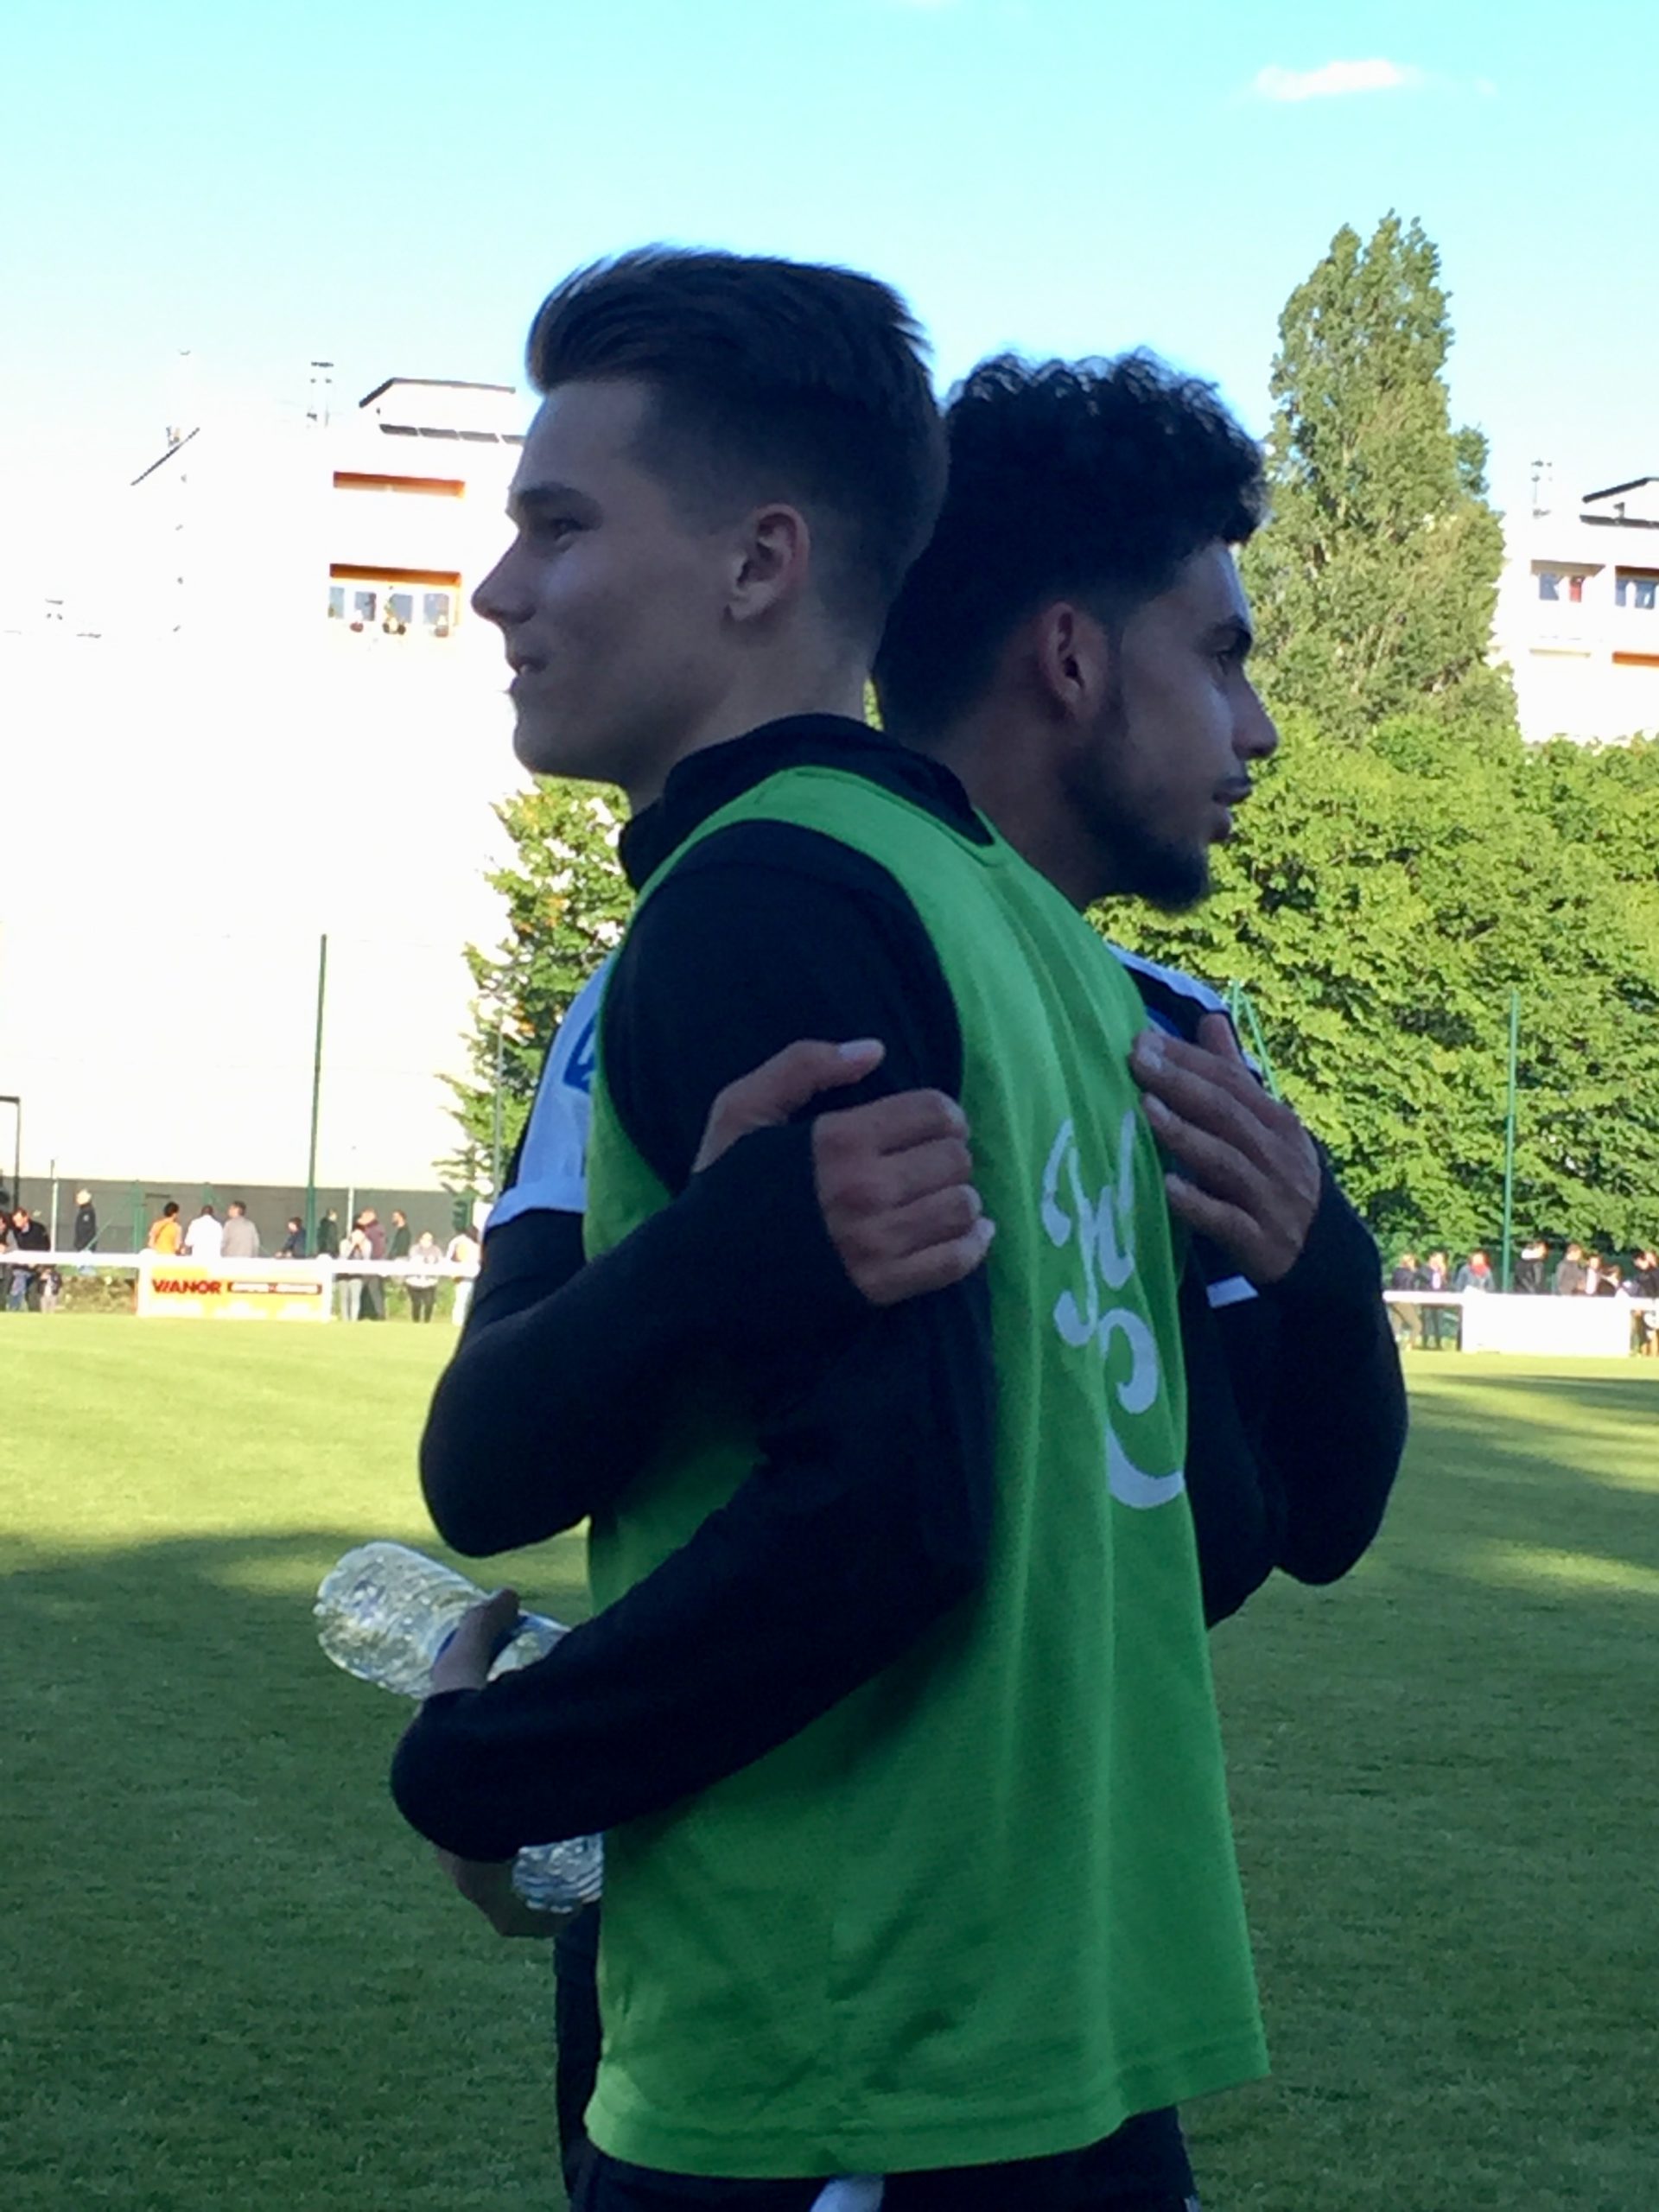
567 901
1375 581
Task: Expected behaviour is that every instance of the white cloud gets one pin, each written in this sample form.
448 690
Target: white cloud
1335 81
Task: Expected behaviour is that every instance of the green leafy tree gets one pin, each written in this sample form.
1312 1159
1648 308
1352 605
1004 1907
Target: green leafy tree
567 901
1375 581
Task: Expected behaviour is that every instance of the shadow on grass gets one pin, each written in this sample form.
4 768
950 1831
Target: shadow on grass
228 1973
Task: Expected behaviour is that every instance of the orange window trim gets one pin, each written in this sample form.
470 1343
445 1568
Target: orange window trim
437 487
1635 660
353 572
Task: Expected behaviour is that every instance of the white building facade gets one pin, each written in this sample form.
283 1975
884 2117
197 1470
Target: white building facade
1578 614
288 723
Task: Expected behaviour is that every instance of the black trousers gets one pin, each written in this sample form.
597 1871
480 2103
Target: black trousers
422 1301
1037 2186
1143 2168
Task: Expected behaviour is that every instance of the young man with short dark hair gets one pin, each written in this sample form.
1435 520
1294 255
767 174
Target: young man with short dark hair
850 1781
1283 1330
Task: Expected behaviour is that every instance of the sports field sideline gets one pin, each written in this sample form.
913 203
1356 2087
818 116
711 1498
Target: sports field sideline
229 1978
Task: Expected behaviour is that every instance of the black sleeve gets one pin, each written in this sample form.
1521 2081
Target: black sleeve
1238 1511
867 1518
1336 1422
556 1396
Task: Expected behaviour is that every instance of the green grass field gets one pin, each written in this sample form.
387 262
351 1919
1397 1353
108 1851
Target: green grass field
229 1978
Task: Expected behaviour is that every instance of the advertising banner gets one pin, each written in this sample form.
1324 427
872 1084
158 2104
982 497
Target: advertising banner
236 1290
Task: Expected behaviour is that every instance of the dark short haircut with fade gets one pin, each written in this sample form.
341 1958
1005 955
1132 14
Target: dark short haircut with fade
1088 480
770 380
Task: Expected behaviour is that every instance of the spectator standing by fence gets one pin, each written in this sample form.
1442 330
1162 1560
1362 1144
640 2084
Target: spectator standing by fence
424 1261
351 1287
165 1236
31 1235
241 1238
16 1277
85 1229
293 1242
1439 1322
397 1243
462 1252
203 1241
1644 1282
1570 1272
1530 1268
328 1236
1407 1319
374 1307
1475 1274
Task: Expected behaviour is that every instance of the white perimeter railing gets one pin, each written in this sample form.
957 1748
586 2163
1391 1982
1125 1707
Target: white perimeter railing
1546 1325
1488 1321
170 1285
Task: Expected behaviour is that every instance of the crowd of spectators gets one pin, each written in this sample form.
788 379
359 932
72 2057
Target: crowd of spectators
209 1238
1581 1272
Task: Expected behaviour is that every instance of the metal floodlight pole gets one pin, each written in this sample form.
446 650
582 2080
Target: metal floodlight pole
1509 1133
316 1097
9 1098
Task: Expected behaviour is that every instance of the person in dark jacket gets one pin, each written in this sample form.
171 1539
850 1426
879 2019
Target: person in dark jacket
33 1235
293 1245
398 1242
1532 1268
1571 1274
86 1230
328 1236
1644 1284
374 1307
1407 1319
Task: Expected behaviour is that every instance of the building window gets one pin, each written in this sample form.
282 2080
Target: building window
1575 590
394 602
1550 584
1640 593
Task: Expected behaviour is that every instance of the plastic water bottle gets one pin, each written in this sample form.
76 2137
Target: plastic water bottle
384 1613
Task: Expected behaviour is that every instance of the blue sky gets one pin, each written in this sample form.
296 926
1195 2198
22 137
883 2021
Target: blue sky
394 188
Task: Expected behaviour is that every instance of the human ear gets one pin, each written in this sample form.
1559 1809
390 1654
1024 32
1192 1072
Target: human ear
775 559
1074 661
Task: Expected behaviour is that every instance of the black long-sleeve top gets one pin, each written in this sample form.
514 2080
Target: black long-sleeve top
867 1518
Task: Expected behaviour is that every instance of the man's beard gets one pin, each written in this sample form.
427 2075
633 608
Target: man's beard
1174 878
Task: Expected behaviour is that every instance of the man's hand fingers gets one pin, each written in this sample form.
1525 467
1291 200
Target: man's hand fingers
1222 1165
1217 1035
793 1077
464 1662
894 1180
1157 1057
1224 1224
488 1886
1210 1096
894 1124
937 1267
769 1095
